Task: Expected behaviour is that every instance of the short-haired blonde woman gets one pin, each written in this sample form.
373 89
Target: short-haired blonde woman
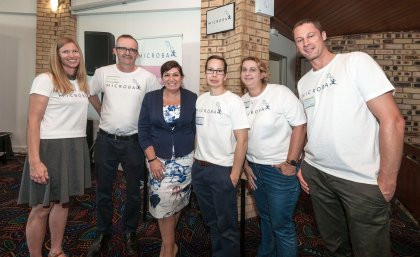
57 166
275 141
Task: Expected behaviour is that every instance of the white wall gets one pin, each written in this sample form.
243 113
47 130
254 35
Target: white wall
17 68
281 45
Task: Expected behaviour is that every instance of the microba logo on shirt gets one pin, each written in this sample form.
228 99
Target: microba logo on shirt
265 107
73 95
217 110
331 81
169 53
116 84
226 16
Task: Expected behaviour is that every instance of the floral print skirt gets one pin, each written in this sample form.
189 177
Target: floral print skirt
172 193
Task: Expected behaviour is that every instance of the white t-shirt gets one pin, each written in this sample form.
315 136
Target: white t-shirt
123 95
216 118
65 115
271 115
342 132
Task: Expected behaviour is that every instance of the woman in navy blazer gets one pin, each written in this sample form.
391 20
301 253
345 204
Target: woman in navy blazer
166 134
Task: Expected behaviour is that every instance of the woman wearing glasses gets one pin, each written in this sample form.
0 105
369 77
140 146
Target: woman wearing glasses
166 134
276 137
57 166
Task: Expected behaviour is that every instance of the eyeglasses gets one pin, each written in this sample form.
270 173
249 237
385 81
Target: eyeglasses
212 71
125 49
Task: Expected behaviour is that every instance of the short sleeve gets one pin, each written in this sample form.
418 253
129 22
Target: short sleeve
238 114
369 76
292 108
42 85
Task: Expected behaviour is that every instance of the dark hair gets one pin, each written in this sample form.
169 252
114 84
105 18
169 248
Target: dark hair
169 65
127 36
217 57
316 23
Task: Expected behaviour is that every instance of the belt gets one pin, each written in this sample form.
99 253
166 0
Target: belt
204 163
117 137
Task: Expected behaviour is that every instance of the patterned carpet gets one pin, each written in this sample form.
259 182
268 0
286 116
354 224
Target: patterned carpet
192 235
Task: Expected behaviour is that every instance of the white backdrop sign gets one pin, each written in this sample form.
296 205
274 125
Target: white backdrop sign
153 52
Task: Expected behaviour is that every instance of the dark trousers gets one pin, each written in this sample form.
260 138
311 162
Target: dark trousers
217 199
351 216
109 153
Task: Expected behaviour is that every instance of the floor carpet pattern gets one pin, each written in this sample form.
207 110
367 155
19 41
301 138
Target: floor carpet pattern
192 235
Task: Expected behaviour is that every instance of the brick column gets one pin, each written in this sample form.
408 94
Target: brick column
49 27
251 37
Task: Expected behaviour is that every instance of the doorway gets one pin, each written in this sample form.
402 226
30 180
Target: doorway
278 69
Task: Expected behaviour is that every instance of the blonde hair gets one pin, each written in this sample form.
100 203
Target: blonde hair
59 77
260 65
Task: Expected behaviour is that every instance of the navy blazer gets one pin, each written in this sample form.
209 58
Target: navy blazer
154 131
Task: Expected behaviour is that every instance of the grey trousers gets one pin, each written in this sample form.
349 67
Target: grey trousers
351 217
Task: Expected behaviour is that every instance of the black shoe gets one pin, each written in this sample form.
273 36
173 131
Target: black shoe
98 244
131 243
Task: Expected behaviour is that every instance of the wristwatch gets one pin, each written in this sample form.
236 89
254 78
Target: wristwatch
291 162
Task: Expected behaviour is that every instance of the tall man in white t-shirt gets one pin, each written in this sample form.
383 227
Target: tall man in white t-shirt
354 149
124 86
222 135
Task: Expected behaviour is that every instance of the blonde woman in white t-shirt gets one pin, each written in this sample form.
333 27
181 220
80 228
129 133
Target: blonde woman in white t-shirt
275 140
57 166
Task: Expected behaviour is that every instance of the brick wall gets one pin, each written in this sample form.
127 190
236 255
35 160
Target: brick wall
49 27
398 53
249 38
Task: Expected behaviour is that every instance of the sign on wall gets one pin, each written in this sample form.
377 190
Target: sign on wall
153 52
220 19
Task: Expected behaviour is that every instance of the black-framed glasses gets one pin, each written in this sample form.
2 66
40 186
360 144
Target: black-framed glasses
122 49
212 71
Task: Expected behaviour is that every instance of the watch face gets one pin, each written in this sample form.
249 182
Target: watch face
293 162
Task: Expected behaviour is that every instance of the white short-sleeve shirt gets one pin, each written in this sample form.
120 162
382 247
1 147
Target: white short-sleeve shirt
343 135
216 119
66 114
123 95
271 116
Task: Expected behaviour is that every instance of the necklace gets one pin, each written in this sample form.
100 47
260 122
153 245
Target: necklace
71 77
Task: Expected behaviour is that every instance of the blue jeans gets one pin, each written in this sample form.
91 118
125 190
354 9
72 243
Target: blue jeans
216 197
276 197
109 153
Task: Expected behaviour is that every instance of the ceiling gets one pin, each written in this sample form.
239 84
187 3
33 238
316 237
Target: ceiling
345 17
